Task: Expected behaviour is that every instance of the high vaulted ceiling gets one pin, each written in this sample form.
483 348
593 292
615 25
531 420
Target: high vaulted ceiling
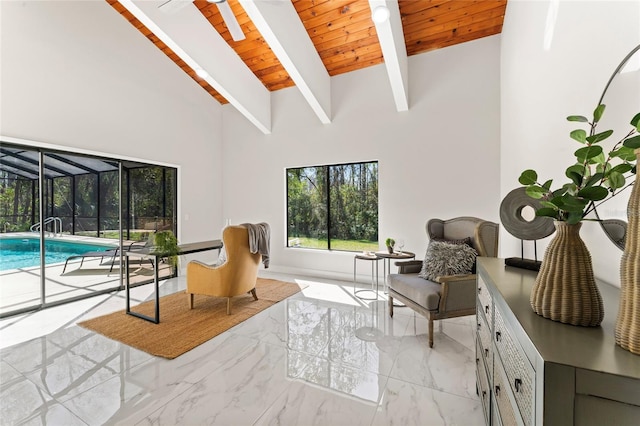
304 42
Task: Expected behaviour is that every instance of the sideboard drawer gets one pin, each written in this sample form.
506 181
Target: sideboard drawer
508 416
484 336
483 382
484 298
519 372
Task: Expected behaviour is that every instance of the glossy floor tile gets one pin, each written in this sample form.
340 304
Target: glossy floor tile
320 357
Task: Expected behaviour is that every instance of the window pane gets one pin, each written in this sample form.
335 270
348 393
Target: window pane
16 202
86 220
63 200
339 201
109 204
307 207
354 207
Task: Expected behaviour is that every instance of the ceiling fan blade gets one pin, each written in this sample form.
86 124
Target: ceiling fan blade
230 20
171 7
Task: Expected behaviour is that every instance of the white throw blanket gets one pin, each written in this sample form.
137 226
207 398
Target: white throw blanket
259 240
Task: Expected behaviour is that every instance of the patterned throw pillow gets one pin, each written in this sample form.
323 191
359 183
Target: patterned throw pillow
445 258
466 240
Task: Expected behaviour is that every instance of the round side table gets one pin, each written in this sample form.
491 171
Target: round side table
374 269
386 263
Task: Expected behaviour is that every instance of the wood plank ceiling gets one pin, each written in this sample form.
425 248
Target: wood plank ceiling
343 33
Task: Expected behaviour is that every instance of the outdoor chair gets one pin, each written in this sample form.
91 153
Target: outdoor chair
444 284
110 253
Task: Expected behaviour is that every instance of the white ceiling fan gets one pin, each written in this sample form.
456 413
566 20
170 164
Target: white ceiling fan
173 6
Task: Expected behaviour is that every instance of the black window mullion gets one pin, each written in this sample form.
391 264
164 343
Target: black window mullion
327 173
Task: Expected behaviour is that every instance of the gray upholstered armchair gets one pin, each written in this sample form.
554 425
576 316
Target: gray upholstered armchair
450 295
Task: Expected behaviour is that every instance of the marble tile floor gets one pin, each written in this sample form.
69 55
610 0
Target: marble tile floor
320 357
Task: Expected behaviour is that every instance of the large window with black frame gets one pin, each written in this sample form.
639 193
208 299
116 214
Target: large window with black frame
333 207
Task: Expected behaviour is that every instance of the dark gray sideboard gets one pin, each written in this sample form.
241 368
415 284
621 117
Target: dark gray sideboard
534 371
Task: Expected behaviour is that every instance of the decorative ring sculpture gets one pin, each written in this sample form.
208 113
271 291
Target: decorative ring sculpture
511 217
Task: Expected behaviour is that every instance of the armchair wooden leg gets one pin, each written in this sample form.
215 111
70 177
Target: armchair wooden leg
430 331
190 298
228 306
390 302
253 292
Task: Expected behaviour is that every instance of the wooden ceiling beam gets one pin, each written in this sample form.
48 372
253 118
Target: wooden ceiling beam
281 28
394 51
160 45
189 34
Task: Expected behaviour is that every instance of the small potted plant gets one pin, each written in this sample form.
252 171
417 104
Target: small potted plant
166 243
595 176
390 242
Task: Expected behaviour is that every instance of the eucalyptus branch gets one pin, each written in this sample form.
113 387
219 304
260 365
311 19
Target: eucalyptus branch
593 206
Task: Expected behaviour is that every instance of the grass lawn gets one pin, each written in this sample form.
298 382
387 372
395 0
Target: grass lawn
344 245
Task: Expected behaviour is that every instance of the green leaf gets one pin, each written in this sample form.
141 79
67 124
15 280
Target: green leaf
579 118
557 202
548 212
575 173
547 184
566 188
588 152
635 121
598 159
599 136
624 153
536 192
549 204
633 142
574 217
593 193
615 180
593 179
528 177
622 168
572 203
579 134
597 113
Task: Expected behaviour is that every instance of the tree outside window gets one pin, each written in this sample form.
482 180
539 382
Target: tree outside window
333 207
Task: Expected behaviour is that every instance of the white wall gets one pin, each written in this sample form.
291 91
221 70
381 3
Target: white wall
439 159
78 75
541 87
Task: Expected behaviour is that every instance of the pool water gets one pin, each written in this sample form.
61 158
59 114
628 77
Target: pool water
25 252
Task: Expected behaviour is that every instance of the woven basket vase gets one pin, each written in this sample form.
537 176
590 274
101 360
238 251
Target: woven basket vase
627 331
565 289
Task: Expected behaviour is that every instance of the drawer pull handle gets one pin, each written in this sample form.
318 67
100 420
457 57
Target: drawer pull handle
486 352
484 394
518 384
486 308
477 360
479 289
498 336
479 326
497 390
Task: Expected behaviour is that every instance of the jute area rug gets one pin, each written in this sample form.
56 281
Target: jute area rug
182 329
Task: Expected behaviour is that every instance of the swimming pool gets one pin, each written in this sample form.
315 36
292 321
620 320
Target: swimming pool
25 252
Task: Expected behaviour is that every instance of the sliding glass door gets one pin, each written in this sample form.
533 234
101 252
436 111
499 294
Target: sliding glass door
66 244
20 272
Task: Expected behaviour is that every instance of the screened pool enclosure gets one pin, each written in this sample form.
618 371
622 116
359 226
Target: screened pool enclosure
60 207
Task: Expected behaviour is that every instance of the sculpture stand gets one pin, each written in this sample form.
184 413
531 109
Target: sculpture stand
521 262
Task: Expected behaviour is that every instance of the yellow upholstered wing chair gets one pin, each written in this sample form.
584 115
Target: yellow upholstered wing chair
238 275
